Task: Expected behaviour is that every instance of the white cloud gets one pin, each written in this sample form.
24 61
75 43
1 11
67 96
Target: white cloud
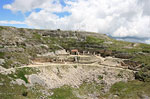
27 5
118 18
11 22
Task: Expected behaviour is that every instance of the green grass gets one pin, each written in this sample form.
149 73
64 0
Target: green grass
124 90
67 92
1 28
1 46
100 77
75 66
145 47
120 46
20 57
70 43
64 92
36 36
2 54
31 52
132 89
90 88
20 73
8 63
14 59
143 74
52 43
93 40
13 91
142 58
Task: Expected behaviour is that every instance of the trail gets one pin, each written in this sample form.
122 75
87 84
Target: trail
41 65
48 64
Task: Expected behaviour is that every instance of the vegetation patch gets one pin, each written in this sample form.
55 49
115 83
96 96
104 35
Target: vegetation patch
142 58
90 88
14 91
132 89
120 74
100 77
20 73
2 54
15 59
64 92
20 57
75 66
85 89
1 28
93 40
37 36
143 74
8 63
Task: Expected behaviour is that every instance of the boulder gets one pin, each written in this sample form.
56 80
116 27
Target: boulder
61 52
2 61
105 52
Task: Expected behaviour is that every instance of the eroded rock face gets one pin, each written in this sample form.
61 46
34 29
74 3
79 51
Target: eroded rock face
61 52
57 76
34 79
112 61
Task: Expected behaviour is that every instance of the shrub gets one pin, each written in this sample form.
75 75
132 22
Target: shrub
58 30
2 54
100 77
1 28
75 66
143 74
8 63
25 94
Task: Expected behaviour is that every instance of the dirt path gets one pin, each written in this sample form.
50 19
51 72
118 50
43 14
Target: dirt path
40 65
48 64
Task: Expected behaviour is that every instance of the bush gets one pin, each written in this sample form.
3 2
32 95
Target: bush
2 54
143 74
8 64
58 30
1 28
25 94
100 77
75 66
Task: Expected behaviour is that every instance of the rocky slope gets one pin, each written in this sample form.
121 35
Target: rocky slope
37 62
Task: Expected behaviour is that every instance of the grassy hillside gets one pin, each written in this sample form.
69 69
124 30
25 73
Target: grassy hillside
19 46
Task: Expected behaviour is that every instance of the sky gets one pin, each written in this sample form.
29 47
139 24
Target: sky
121 19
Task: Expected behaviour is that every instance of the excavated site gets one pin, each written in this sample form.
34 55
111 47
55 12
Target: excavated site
56 64
62 68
